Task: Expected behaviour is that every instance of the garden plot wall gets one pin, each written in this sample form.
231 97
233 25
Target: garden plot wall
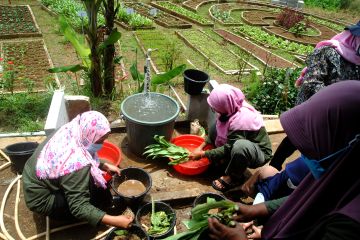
162 18
221 58
30 61
181 12
17 22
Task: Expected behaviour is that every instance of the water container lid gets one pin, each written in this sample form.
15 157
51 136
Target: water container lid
150 108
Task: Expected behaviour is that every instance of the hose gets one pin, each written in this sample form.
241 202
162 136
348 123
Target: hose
2 225
16 212
5 234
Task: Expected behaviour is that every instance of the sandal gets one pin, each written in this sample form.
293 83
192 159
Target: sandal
225 186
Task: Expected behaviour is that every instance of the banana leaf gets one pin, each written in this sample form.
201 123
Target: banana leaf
72 68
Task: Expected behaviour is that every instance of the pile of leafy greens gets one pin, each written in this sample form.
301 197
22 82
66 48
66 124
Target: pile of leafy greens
160 221
200 215
163 149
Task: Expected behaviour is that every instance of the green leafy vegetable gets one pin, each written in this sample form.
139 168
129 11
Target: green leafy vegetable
165 149
160 221
200 215
121 232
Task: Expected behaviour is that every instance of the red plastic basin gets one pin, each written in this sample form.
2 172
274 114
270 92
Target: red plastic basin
191 142
110 153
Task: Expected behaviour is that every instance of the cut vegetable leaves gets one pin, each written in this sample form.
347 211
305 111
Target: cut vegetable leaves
163 149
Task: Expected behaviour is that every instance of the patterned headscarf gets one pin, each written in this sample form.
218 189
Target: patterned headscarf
66 151
345 43
229 102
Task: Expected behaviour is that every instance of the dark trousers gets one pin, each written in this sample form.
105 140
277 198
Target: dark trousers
99 197
285 149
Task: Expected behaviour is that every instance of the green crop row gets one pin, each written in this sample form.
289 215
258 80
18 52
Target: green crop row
185 12
331 25
268 39
135 20
70 9
212 49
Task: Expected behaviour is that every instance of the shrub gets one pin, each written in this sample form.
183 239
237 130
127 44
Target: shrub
275 92
288 18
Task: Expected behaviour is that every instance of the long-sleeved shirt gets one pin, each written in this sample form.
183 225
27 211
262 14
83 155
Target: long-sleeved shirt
325 66
38 192
260 137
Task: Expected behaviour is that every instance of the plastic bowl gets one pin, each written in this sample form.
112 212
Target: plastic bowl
191 142
110 152
159 206
132 173
202 198
133 229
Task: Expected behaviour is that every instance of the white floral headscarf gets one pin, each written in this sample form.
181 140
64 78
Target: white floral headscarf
66 151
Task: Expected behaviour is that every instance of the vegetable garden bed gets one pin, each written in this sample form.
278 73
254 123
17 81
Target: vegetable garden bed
160 17
325 34
28 61
17 21
263 55
182 13
258 35
193 5
219 56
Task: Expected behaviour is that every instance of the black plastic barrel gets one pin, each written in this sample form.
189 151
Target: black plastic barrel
159 206
133 229
128 174
141 126
194 81
19 153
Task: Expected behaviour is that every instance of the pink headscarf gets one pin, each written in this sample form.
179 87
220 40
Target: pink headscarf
345 44
230 101
66 151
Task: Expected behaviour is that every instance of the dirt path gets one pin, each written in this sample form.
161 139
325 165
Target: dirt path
260 53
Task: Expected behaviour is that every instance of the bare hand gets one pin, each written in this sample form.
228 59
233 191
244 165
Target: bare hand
250 212
219 231
111 168
196 155
255 230
124 221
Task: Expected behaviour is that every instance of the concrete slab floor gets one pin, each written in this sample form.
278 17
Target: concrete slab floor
168 185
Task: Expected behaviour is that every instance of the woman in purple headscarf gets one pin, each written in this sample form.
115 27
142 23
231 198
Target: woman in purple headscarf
326 205
241 138
63 179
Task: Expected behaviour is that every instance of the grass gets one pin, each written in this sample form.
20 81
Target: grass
24 112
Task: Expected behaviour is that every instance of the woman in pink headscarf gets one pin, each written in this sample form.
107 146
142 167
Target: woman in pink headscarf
332 61
63 179
241 138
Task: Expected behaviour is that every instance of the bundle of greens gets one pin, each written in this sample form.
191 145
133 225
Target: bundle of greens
160 221
200 215
165 149
125 235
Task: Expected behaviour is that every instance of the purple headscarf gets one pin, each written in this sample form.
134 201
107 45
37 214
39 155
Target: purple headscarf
319 127
229 101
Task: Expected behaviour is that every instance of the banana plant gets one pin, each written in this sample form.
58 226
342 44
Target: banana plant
156 80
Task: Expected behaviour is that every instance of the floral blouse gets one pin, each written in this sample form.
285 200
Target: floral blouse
325 66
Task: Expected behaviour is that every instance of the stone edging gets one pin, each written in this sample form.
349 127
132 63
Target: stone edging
214 64
253 55
180 15
24 35
153 65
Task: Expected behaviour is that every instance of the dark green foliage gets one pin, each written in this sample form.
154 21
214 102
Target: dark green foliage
24 112
326 4
275 93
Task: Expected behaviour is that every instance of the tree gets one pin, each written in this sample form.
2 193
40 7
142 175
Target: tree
110 12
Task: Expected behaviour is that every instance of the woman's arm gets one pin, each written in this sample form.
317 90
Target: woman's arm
117 221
